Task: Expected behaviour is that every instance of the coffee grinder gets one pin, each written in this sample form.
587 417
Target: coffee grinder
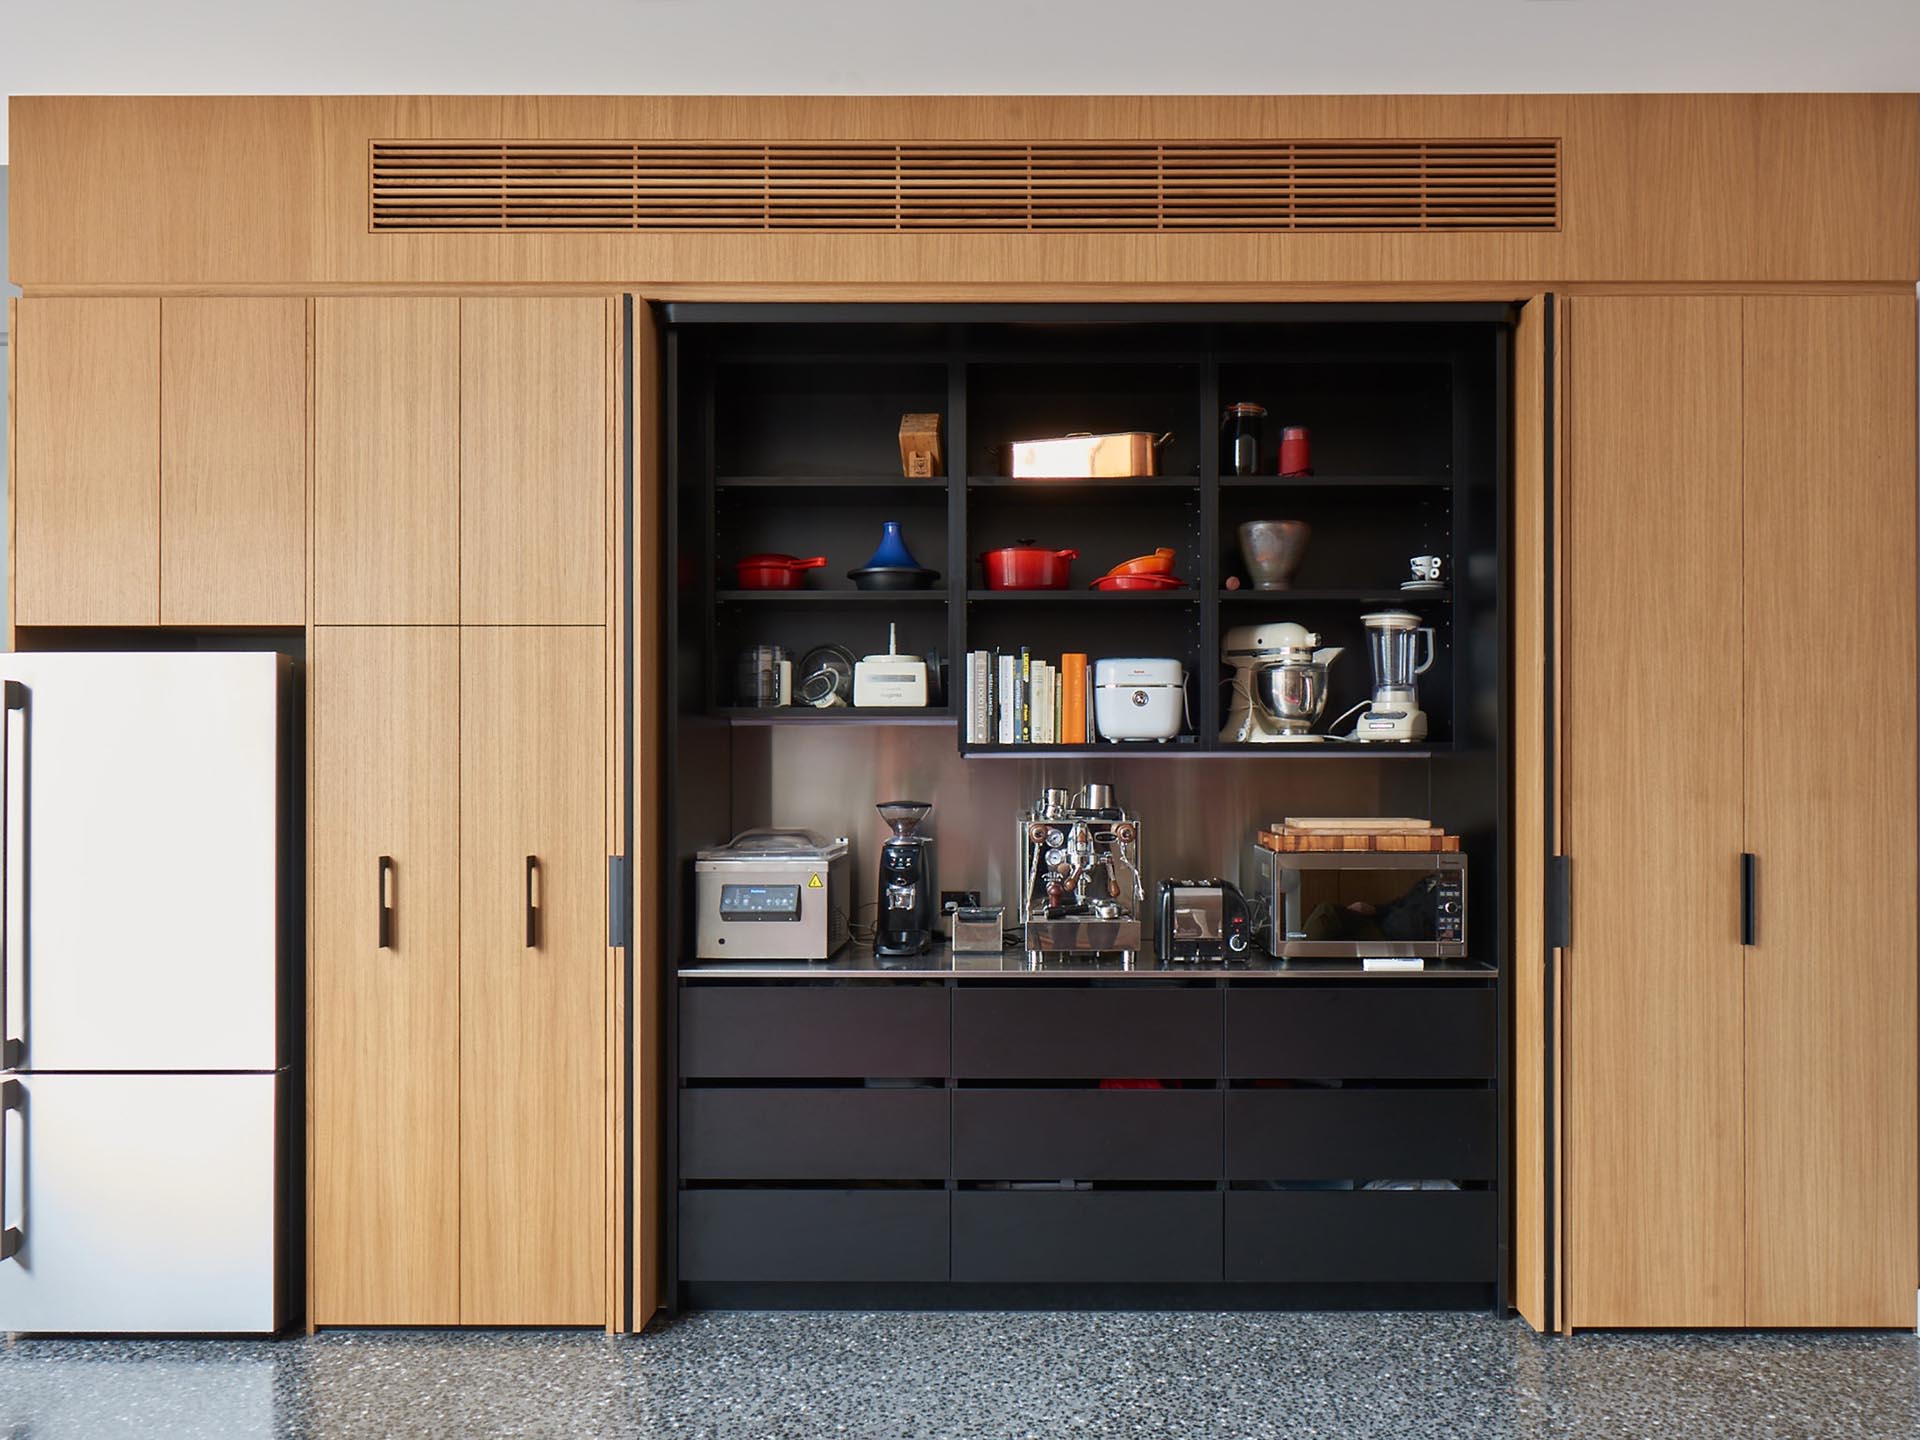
909 904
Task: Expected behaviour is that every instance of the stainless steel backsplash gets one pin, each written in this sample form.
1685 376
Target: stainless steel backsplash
1196 814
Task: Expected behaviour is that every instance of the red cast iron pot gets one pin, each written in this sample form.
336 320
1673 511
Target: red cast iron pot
1025 567
774 572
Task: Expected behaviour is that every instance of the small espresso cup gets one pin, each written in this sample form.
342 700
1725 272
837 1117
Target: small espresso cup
1425 567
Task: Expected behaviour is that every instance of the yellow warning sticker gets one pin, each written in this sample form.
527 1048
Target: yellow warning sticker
814 883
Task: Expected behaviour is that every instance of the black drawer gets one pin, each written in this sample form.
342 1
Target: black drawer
813 1235
1028 1033
1382 1031
1086 1235
752 1032
1360 1135
1086 1134
736 1134
1361 1235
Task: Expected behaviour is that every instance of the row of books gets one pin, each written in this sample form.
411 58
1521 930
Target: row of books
1014 699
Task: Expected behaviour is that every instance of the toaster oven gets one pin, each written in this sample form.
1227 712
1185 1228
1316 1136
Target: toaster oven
1358 904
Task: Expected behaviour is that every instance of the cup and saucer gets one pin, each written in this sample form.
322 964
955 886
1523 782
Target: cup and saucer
1426 575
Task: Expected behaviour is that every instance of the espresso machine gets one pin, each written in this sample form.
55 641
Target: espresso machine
1080 859
1394 713
909 905
1279 683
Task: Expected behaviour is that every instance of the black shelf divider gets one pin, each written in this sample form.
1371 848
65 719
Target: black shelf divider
1081 595
829 482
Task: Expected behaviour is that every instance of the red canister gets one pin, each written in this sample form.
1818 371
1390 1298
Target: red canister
1296 451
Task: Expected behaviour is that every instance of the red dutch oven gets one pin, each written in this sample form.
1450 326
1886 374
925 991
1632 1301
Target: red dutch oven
1025 567
775 572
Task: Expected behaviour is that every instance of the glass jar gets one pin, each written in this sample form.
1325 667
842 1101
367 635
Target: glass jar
1240 431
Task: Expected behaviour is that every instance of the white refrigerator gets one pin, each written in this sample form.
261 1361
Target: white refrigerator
144 988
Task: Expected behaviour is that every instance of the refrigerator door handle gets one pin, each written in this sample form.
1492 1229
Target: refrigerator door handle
533 904
385 876
12 1050
11 1098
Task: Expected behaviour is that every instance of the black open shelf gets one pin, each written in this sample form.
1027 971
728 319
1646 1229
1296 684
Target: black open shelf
786 440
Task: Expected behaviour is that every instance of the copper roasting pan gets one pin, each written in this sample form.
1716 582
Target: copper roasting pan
1087 457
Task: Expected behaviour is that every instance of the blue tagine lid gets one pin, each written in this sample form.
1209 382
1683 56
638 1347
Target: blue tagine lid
893 553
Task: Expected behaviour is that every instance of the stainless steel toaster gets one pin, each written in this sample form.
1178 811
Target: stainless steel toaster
772 895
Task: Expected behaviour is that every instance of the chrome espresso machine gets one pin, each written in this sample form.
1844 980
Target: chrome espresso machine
1080 859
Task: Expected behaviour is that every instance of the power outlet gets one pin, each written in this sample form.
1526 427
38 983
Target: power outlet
952 900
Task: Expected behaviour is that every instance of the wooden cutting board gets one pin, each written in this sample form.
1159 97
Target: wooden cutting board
1354 825
1284 842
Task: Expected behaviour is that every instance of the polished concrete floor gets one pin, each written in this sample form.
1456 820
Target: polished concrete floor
1009 1377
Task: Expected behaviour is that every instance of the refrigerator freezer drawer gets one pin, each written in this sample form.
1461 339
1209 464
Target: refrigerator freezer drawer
143 865
143 1204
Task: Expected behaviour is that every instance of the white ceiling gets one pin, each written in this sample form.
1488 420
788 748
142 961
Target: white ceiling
952 46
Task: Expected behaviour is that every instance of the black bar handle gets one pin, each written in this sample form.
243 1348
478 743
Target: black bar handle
1749 899
14 695
11 1098
386 902
533 906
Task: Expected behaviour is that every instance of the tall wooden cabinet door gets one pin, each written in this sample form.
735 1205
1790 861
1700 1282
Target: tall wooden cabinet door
533 1176
386 461
1830 1018
384 1021
233 462
86 480
535 448
1651 779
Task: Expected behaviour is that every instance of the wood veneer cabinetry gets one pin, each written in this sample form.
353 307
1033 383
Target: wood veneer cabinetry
86 479
386 462
459 1069
384 1019
533 976
233 450
1739 517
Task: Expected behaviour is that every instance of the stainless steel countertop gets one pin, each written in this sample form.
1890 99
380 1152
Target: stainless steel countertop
859 963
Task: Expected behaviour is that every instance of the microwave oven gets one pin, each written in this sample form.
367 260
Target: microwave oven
1358 904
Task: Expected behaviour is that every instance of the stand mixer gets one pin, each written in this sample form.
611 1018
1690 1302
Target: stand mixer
1080 859
1394 713
1279 683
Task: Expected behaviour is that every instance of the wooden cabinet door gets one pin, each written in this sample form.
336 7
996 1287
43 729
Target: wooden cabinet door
386 457
233 452
1831 1061
86 478
1651 784
534 461
384 1022
533 1178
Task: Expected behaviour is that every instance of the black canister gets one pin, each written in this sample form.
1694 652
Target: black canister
1240 433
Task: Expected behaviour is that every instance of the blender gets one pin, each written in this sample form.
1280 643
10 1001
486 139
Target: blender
1394 713
908 902
1279 683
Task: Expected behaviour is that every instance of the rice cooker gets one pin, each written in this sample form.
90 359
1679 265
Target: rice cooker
771 895
1139 698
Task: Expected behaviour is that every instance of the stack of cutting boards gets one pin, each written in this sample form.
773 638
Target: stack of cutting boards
1355 832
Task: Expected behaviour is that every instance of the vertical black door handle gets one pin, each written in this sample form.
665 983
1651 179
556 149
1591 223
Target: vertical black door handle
533 903
1749 900
386 902
15 697
12 1097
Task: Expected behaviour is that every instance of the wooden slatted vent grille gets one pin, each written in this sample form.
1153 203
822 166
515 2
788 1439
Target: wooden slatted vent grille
1114 187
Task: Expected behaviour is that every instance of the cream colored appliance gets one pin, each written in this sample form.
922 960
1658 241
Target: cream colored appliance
1279 683
1394 713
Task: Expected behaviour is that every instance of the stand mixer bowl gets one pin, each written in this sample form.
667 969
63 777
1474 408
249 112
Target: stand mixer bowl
1292 692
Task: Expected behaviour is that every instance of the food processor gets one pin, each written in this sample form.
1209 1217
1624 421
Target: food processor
1394 713
1279 684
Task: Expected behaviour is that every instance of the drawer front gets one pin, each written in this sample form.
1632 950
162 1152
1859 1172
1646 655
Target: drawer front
1086 1134
813 1235
1086 1235
1361 1236
814 1134
1366 1032
1016 1033
1360 1135
797 1032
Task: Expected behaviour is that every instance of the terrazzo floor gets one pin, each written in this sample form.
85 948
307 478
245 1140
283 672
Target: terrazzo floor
957 1376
